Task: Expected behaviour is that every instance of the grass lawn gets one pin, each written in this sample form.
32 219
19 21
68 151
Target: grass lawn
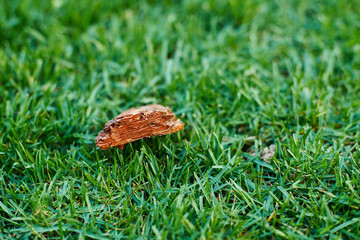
242 75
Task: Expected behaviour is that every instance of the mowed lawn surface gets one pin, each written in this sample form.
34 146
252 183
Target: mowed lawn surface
241 75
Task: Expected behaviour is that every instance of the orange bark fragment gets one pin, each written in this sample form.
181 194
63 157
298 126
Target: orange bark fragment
137 123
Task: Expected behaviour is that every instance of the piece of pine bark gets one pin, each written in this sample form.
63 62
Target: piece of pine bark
137 123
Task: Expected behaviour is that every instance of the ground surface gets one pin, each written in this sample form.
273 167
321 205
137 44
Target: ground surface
242 75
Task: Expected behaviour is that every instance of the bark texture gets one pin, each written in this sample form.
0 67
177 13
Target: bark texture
137 123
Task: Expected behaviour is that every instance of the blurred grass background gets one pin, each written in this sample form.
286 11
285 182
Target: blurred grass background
241 74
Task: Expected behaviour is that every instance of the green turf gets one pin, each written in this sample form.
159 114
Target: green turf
241 75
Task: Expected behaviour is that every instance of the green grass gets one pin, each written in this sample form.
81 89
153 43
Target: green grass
241 75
